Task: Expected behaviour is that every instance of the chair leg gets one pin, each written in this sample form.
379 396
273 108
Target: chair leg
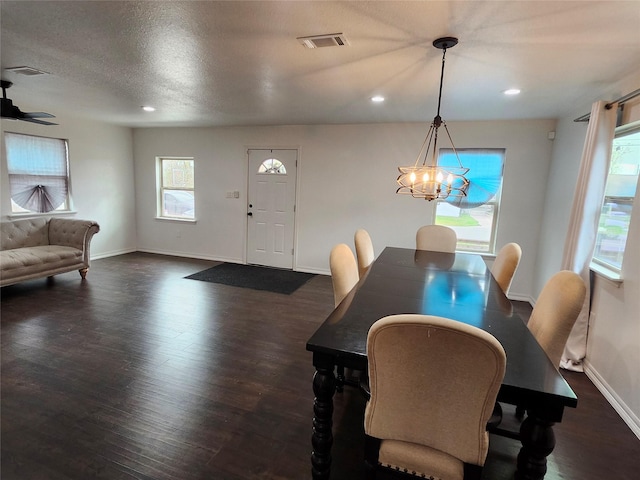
364 385
371 452
339 378
496 417
472 472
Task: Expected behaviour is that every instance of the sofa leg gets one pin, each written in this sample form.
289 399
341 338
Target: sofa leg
83 272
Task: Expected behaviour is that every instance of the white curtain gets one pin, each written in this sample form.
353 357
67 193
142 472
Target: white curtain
585 214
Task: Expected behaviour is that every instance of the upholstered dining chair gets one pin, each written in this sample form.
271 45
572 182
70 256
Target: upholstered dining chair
433 384
505 265
503 269
551 321
344 276
437 238
364 250
344 271
556 311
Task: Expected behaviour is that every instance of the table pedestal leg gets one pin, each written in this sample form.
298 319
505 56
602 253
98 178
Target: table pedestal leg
324 386
538 441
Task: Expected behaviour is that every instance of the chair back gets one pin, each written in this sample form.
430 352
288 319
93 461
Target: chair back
364 250
434 382
437 238
344 271
555 312
505 265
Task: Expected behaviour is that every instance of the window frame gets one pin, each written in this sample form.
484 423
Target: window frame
66 207
161 188
495 201
599 265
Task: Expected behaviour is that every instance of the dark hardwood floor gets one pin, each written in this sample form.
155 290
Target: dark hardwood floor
138 373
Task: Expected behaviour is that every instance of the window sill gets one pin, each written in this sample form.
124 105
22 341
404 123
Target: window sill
607 274
54 213
181 220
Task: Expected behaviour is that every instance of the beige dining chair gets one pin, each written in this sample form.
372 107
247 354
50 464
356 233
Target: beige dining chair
505 265
344 271
503 269
437 238
551 321
556 311
364 250
344 276
433 384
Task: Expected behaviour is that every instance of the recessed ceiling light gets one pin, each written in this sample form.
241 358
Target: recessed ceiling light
512 91
377 98
147 108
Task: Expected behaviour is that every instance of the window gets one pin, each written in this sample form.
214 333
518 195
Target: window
176 181
620 190
474 217
38 173
272 165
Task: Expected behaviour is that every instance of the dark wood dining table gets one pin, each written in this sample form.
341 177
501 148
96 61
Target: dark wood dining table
459 286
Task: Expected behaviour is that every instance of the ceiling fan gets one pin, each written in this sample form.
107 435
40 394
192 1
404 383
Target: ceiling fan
9 110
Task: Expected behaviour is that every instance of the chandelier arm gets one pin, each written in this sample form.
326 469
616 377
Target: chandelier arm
432 131
453 147
427 138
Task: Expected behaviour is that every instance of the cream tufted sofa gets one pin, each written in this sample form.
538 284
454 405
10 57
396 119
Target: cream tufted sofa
42 247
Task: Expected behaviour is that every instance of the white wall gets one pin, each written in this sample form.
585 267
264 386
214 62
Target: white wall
346 180
613 349
102 183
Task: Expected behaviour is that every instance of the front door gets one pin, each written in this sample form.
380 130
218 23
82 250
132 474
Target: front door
271 206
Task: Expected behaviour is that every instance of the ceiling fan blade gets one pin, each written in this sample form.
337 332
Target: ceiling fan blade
35 120
9 110
37 115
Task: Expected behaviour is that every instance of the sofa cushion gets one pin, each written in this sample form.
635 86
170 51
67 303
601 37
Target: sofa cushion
23 260
29 232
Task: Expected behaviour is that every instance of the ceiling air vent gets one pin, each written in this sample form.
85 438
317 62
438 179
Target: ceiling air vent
29 71
318 41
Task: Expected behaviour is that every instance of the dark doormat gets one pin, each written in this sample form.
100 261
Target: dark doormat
251 276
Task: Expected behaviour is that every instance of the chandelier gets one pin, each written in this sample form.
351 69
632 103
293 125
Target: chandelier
430 180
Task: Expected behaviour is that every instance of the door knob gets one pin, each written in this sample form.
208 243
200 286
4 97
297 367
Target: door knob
250 214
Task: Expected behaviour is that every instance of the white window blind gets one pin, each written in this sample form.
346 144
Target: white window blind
38 173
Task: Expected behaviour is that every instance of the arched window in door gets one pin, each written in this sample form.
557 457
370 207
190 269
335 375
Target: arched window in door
272 165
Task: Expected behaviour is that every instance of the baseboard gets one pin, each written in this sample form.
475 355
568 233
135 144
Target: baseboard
113 253
630 418
191 255
316 271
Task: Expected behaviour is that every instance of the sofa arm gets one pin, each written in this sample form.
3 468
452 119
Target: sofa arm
73 233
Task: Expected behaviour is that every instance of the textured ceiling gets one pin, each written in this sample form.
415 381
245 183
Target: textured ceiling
239 63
